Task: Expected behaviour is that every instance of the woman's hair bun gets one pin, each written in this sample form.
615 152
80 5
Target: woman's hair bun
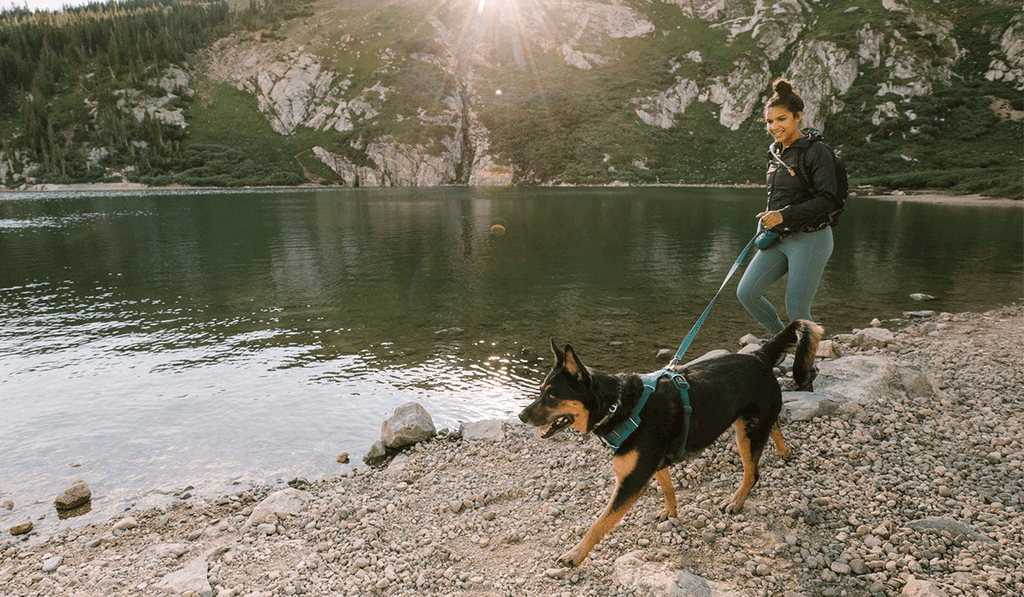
782 87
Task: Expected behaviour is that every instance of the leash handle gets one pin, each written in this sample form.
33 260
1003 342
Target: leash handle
696 327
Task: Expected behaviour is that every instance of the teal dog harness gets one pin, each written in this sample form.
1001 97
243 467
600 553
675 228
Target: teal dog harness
614 438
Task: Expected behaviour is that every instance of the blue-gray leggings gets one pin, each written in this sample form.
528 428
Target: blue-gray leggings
803 256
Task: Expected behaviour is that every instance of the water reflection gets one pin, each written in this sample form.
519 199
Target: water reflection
161 339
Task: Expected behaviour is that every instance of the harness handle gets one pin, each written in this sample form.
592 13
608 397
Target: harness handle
696 327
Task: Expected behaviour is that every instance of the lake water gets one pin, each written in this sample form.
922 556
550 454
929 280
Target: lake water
155 340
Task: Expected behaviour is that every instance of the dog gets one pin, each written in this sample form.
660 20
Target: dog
736 389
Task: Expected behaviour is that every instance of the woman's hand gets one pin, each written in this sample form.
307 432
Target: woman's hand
770 219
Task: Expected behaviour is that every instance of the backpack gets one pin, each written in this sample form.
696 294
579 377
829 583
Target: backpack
842 183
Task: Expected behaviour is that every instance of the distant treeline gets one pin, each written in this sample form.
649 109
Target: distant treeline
50 62
62 82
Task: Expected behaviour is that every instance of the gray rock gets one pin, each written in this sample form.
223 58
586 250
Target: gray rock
919 314
858 378
872 338
958 530
631 570
920 296
77 495
126 524
285 502
51 564
804 406
409 425
166 550
377 455
921 588
490 430
190 579
22 528
917 384
827 349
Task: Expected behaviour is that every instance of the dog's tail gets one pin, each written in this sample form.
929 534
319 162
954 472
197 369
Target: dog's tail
801 336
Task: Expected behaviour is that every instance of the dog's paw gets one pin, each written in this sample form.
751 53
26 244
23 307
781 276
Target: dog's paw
572 559
666 514
730 506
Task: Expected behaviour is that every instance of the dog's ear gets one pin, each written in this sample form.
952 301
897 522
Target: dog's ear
559 355
574 366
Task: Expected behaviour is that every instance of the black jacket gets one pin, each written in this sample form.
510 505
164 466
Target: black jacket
801 207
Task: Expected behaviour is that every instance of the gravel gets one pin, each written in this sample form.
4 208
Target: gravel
889 491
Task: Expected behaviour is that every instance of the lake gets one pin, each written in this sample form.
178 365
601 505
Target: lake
155 340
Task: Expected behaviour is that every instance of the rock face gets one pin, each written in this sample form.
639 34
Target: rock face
443 140
77 495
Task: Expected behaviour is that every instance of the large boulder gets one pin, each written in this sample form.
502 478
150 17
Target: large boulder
858 378
409 425
867 378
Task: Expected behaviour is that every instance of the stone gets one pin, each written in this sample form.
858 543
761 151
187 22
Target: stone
872 338
166 550
633 571
7 505
921 588
22 528
189 580
958 530
918 384
409 425
828 349
51 564
377 455
343 458
126 524
490 430
804 406
919 314
284 502
77 495
858 378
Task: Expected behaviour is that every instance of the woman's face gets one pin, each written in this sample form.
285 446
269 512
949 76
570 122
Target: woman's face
783 125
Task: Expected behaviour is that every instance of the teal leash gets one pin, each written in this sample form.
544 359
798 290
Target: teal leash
696 327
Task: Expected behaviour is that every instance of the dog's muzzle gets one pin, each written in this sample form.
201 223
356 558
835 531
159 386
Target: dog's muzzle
548 429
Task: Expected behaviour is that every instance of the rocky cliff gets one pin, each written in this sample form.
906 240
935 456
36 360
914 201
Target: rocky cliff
434 92
906 49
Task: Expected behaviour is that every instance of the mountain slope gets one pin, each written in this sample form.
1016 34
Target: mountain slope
428 92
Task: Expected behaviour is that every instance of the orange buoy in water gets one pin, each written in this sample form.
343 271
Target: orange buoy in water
497 230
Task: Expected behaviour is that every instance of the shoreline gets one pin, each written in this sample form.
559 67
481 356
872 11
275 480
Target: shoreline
929 196
454 516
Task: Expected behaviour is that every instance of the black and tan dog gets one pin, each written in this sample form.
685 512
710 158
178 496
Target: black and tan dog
736 389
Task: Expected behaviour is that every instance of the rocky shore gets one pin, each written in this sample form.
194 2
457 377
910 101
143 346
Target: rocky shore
906 480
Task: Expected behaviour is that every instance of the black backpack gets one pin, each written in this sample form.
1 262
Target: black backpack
842 183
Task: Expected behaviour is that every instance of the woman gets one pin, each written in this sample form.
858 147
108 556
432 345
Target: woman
797 211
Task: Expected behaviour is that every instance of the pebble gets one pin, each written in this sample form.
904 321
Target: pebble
842 517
